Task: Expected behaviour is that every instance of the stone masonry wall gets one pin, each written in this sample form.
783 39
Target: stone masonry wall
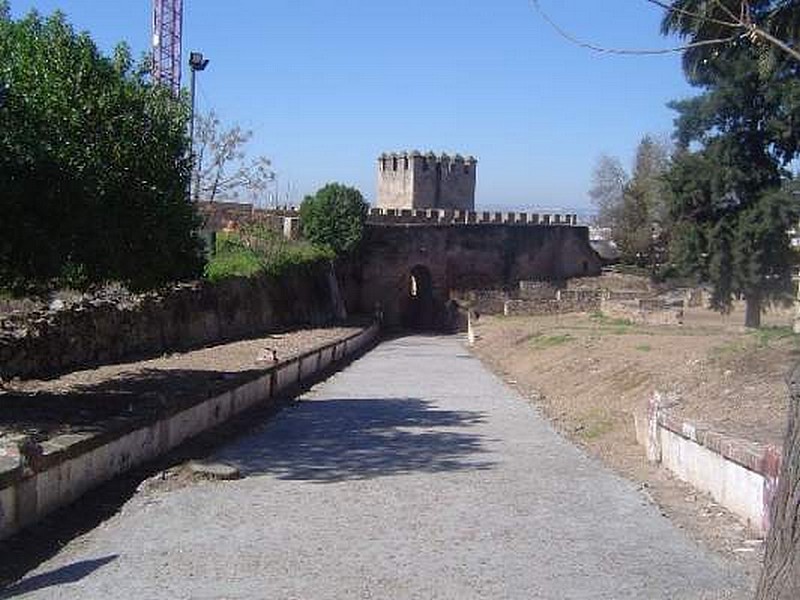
410 180
100 331
466 257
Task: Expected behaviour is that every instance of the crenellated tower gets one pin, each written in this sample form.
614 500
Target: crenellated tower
414 180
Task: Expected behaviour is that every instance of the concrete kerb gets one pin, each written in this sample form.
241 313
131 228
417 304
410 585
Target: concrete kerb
38 479
740 475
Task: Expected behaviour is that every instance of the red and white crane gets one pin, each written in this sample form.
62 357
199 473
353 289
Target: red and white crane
167 32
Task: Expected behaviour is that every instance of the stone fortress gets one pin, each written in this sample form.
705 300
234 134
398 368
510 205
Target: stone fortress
411 180
425 245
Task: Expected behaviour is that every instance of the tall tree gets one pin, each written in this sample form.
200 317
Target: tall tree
715 27
609 179
93 167
632 206
761 240
780 577
727 184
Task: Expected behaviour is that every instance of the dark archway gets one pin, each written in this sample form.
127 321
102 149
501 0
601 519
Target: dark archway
420 306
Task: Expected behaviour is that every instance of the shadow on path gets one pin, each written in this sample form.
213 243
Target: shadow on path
346 439
63 575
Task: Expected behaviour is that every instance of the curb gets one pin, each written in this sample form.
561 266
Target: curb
739 474
37 479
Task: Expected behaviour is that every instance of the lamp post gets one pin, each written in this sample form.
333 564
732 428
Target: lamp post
197 62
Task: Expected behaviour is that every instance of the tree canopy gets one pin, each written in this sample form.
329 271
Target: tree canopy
94 164
730 208
334 218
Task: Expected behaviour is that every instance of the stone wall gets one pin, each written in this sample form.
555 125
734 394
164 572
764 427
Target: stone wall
533 298
410 180
565 301
106 330
223 216
644 311
482 302
466 257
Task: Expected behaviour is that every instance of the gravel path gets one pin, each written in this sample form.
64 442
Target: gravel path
414 473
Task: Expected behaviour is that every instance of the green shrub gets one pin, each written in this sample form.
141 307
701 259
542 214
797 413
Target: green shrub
257 250
334 218
93 165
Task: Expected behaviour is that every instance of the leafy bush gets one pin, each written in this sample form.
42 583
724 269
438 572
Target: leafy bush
93 165
334 218
257 250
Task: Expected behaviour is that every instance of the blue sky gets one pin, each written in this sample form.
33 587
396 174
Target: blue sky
327 85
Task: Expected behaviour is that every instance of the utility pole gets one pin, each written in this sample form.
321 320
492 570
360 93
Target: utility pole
197 62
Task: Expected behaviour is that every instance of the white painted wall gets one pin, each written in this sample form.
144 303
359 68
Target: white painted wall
735 487
30 499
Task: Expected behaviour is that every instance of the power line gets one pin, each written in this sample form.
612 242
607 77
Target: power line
628 51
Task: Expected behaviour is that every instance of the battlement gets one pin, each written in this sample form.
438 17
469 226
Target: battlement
438 216
404 161
413 180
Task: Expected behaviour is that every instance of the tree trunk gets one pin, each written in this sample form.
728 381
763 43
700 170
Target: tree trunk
780 578
752 316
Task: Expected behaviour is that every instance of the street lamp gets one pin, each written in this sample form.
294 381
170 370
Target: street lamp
197 62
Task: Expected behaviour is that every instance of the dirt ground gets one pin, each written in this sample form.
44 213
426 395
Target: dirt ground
589 373
84 401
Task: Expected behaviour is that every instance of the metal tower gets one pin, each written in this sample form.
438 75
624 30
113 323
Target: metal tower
167 29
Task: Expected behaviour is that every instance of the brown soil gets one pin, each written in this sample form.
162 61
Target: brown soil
85 401
589 373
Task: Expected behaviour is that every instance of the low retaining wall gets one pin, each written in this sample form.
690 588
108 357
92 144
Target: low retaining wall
644 311
742 476
111 329
542 299
37 479
565 301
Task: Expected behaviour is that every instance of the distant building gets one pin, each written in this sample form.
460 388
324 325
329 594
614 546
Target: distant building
417 181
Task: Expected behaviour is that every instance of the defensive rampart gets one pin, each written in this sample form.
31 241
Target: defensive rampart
457 252
441 216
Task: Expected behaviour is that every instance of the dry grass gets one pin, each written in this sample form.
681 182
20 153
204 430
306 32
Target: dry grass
590 373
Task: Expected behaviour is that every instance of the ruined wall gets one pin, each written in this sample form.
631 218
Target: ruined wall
461 257
219 216
645 311
532 298
101 330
